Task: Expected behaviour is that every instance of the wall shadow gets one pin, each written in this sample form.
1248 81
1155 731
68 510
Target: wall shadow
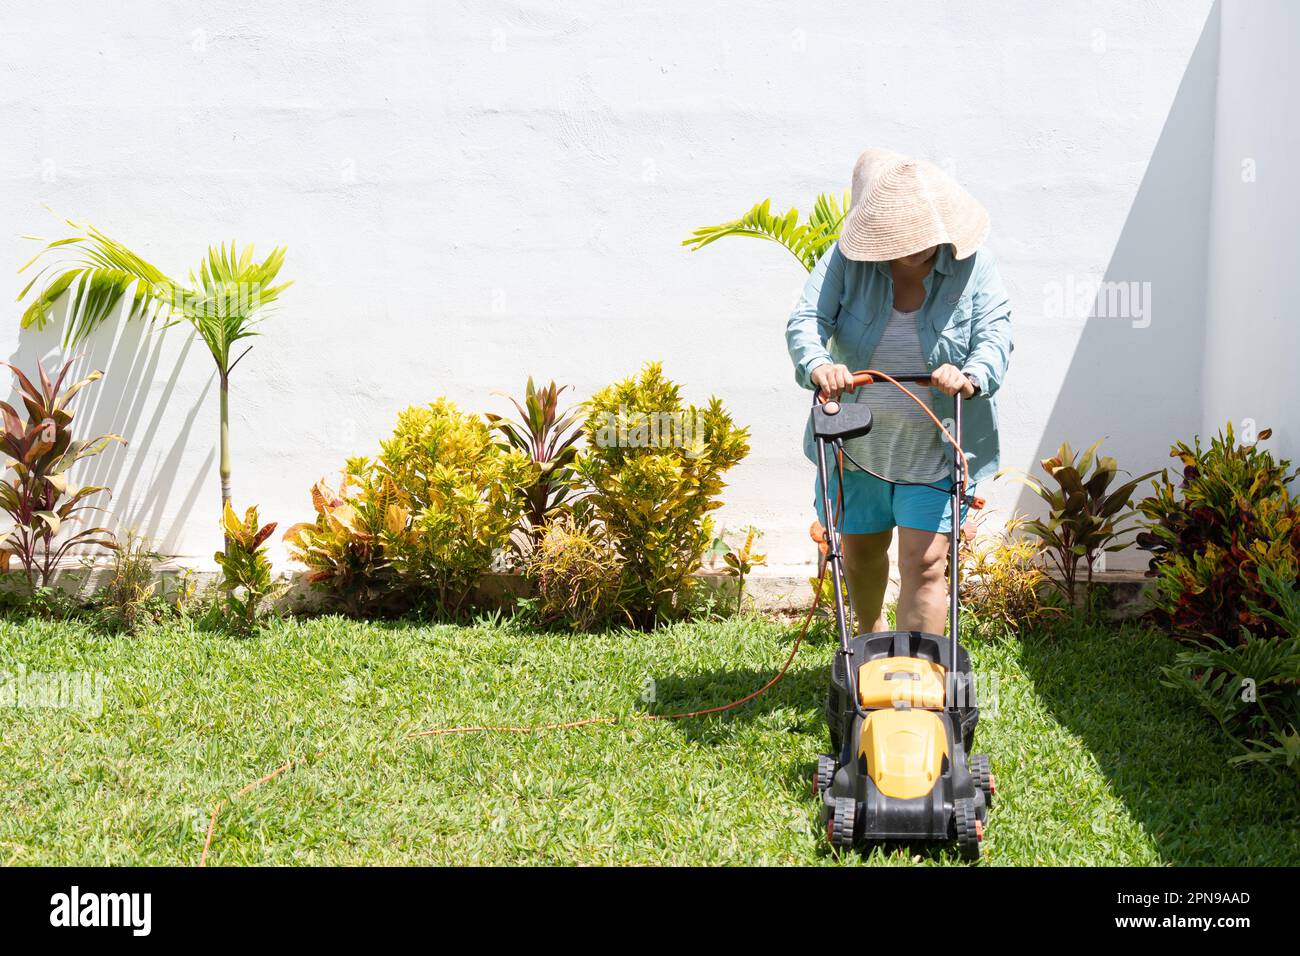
1133 376
1137 383
133 398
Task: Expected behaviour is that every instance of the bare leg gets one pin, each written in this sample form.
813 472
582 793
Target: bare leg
866 565
923 591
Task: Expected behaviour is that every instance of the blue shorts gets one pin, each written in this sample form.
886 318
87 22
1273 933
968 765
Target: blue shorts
872 506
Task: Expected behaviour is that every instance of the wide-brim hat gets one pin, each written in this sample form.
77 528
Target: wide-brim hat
901 206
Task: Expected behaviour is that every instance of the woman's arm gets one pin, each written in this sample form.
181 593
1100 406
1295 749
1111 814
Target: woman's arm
990 336
812 323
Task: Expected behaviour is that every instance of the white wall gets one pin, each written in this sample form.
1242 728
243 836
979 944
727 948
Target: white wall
1253 338
471 192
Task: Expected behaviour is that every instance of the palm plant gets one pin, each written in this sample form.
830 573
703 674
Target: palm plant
223 303
806 241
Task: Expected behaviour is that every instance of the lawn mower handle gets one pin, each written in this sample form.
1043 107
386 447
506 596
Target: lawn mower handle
959 475
863 377
914 378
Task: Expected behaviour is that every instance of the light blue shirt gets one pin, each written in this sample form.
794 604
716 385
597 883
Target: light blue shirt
965 321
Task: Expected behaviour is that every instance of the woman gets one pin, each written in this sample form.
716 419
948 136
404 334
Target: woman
906 289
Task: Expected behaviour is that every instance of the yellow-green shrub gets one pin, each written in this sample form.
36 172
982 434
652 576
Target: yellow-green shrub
461 492
1003 580
654 468
578 573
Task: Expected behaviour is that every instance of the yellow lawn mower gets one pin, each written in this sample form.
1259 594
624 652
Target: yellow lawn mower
902 707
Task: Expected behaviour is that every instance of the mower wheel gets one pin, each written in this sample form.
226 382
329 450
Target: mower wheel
983 775
824 774
840 824
969 829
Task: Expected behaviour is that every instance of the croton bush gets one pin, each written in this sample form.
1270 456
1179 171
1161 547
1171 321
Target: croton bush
1225 546
1086 516
654 468
344 549
609 532
423 521
1251 685
461 493
247 580
1229 517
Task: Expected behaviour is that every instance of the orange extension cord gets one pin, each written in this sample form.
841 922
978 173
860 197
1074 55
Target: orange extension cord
869 376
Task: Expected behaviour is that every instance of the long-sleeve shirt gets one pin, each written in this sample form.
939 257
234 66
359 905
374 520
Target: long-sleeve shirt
965 321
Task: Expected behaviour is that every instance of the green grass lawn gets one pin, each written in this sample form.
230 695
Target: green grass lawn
1097 763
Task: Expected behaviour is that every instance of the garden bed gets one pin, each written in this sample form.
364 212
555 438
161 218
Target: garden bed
1098 763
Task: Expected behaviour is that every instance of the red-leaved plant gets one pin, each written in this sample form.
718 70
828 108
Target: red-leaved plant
1216 532
38 498
548 435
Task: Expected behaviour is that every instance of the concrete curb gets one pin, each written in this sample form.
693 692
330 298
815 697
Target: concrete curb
779 590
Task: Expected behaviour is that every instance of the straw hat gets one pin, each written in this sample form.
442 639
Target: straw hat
901 206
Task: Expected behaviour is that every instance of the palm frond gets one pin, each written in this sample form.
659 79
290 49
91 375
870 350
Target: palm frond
97 272
224 301
807 241
230 295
